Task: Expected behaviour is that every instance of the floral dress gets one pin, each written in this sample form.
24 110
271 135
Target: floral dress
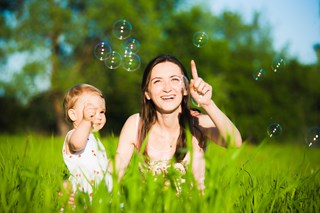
161 166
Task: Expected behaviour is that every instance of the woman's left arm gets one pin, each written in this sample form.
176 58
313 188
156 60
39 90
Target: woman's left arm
218 127
215 125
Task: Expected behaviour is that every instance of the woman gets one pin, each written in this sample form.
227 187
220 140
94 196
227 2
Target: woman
166 117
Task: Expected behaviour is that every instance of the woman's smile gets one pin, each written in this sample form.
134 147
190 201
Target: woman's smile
168 97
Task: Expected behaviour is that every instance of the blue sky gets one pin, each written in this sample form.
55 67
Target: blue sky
294 23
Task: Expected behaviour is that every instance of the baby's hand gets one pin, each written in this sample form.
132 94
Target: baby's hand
89 112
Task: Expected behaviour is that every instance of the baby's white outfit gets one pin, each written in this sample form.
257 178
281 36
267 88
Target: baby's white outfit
89 166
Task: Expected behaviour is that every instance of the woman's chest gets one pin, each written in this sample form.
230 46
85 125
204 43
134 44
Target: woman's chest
161 146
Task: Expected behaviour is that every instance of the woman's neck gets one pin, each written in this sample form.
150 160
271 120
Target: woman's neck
168 121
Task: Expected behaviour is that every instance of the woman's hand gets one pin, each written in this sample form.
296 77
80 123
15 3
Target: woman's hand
200 91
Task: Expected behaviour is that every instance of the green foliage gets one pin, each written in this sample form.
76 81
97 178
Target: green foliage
263 178
57 39
36 116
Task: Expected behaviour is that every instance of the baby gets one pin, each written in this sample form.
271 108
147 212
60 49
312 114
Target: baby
83 152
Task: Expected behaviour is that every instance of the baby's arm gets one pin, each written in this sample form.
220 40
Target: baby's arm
78 138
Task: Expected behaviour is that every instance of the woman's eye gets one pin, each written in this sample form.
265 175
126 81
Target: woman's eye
176 80
157 82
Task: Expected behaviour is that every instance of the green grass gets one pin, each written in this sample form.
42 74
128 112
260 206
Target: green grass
271 177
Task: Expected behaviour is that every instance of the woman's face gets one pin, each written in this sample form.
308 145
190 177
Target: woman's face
166 87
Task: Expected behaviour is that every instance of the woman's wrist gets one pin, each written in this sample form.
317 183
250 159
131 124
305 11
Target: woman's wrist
207 105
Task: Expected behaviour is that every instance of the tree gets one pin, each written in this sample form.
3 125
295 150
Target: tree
62 34
57 38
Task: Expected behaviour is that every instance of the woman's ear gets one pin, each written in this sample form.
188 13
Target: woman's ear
186 86
185 92
146 94
72 114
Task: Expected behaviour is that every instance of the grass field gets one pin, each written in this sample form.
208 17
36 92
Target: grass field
271 177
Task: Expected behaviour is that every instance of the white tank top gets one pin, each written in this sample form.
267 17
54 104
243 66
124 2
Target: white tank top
164 156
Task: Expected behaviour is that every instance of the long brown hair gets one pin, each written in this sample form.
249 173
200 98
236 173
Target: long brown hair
148 111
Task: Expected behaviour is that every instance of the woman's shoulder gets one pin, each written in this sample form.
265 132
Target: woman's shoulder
129 131
199 130
196 116
195 112
133 118
131 124
200 118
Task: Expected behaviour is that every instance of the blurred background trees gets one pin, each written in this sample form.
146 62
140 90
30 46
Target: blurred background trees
47 46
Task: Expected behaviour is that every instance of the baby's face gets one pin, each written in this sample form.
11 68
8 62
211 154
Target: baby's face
91 107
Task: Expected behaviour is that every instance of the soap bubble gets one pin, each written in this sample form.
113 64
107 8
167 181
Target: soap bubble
131 61
258 74
274 130
312 137
200 39
278 64
131 45
186 82
102 50
122 29
114 60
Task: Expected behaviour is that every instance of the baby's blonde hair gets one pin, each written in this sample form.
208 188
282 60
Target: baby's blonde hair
73 95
